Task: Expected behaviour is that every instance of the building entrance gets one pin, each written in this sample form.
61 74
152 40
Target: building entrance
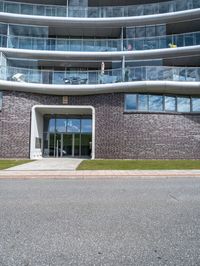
67 137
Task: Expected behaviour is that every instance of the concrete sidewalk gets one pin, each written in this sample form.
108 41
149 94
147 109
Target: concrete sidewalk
98 174
49 164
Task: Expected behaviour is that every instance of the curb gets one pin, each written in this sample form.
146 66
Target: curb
143 174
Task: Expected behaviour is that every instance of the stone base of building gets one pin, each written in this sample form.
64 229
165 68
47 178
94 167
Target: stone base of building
118 135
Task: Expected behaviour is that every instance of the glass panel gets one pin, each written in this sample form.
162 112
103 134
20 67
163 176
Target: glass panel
86 125
67 144
150 31
1 99
139 32
77 144
170 103
61 125
143 102
26 9
183 104
196 104
160 30
155 103
73 125
58 146
86 144
51 145
131 102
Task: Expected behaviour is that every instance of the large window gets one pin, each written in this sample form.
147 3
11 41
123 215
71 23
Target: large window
161 103
1 99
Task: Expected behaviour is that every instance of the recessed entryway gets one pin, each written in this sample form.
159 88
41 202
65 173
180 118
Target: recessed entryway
62 131
67 136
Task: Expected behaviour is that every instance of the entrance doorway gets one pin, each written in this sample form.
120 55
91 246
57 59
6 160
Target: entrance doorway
67 143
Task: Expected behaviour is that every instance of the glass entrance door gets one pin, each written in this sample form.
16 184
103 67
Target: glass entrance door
67 145
67 137
58 145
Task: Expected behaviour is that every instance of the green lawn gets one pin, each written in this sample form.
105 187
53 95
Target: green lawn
4 164
139 165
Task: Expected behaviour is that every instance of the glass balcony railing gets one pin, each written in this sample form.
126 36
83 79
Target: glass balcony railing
98 12
100 45
128 74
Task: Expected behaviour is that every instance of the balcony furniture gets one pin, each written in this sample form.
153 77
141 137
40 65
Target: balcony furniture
19 77
66 81
171 45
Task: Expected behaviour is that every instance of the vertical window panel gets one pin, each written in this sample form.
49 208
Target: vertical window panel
170 103
142 102
155 103
183 104
131 102
196 104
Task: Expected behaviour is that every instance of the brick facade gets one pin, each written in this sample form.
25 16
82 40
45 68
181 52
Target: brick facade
15 119
118 134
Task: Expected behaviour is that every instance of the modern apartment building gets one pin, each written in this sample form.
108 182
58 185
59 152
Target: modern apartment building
100 79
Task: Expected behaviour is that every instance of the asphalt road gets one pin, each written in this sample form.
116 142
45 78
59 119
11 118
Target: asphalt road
100 222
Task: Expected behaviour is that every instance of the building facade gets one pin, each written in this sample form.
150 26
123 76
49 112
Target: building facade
100 79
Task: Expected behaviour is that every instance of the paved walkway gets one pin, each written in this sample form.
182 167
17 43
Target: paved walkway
49 164
97 174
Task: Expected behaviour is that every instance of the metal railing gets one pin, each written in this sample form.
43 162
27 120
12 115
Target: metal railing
98 12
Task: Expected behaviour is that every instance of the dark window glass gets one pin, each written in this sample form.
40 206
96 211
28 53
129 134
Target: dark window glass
160 30
142 102
139 32
49 124
183 104
170 103
196 104
155 103
131 102
150 31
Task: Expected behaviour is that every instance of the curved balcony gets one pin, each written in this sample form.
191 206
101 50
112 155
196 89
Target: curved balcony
100 45
156 79
128 74
98 12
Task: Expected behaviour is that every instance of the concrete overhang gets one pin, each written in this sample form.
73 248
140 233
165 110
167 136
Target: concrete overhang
101 22
64 55
174 87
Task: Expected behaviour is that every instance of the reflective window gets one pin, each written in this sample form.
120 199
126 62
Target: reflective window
61 125
196 104
1 99
131 102
170 103
73 125
161 103
86 125
155 103
183 104
142 102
